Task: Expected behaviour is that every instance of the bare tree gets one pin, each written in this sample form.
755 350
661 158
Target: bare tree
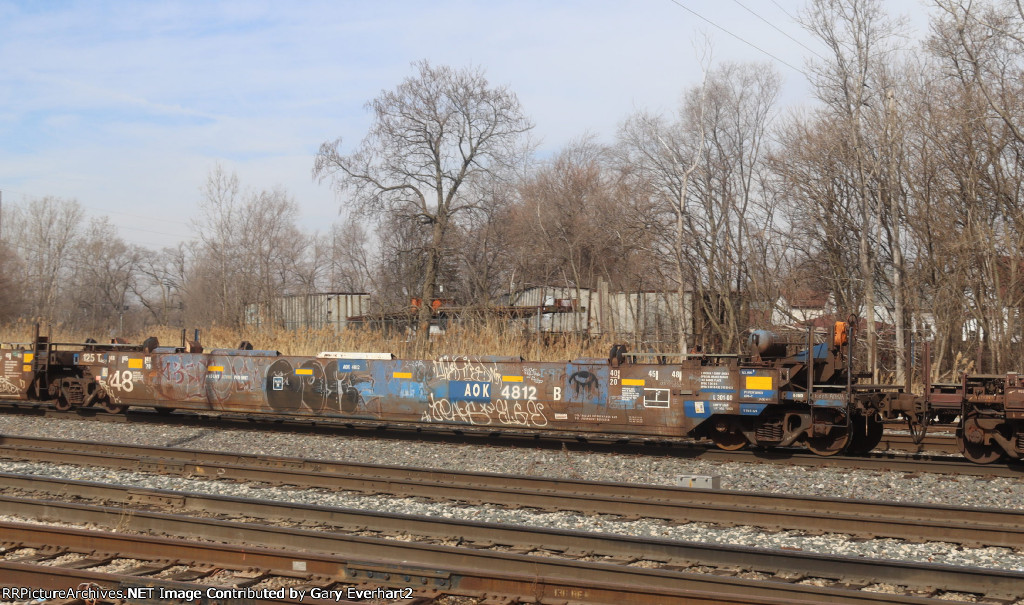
106 270
860 39
487 248
706 172
11 286
979 47
161 275
217 272
250 252
351 265
435 143
664 156
44 232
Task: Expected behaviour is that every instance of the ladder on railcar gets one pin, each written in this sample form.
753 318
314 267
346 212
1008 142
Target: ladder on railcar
41 363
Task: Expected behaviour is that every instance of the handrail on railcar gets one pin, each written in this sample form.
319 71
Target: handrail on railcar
685 355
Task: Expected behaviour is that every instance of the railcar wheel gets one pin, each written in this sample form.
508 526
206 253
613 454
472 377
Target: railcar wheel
835 439
829 445
970 438
729 442
113 408
867 433
978 453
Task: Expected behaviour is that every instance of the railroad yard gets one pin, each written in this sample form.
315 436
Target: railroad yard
319 515
759 343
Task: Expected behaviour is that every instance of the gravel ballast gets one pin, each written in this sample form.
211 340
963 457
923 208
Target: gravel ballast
638 468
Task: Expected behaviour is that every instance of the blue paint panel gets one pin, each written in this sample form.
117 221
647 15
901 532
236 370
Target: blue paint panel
718 390
820 352
752 409
586 383
412 390
751 394
748 372
466 390
351 365
697 409
832 403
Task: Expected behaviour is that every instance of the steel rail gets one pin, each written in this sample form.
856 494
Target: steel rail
916 522
46 577
936 443
876 461
581 579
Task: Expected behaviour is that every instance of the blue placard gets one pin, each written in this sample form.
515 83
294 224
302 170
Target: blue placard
469 390
697 409
752 409
351 365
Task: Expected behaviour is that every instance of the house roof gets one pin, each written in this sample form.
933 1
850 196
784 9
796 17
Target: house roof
808 299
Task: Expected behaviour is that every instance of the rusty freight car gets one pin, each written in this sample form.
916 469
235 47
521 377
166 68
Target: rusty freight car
780 394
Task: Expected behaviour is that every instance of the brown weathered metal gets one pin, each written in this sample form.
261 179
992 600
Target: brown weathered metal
773 398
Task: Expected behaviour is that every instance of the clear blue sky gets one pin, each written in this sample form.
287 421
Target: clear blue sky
126 105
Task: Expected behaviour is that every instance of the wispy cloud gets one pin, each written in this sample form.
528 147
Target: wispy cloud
126 105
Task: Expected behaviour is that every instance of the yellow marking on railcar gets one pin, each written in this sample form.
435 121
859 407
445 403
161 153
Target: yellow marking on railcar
135 364
402 374
304 371
759 383
29 357
511 378
215 369
26 368
633 382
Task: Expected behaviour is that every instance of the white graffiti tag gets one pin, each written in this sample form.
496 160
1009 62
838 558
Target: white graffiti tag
7 387
530 413
463 369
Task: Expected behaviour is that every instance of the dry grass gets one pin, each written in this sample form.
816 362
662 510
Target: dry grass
465 339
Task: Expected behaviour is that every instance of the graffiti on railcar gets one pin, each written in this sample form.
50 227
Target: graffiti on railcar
583 384
9 388
181 377
500 411
319 386
461 368
314 388
588 383
441 409
284 391
231 376
290 388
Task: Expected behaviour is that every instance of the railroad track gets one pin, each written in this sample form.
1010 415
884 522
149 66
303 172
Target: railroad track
498 561
915 522
933 443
